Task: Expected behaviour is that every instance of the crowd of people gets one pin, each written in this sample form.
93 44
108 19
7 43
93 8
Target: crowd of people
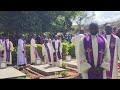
97 54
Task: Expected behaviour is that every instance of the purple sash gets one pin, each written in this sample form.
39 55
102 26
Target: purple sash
112 50
7 51
48 52
58 52
89 54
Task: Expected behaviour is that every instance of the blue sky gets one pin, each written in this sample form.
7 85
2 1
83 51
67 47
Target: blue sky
102 17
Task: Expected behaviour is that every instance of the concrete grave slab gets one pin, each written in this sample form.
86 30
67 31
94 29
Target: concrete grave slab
46 69
72 64
10 72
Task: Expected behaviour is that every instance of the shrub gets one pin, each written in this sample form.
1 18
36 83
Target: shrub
65 48
68 49
71 50
14 53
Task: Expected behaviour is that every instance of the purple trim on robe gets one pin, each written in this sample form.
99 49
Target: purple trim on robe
58 53
90 59
112 50
48 52
7 51
54 54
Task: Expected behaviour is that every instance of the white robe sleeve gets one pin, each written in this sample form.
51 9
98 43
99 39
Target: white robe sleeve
61 47
33 43
11 46
84 65
73 40
43 50
20 43
106 59
118 49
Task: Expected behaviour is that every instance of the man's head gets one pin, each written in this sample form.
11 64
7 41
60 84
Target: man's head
114 28
81 31
56 37
108 29
7 38
94 29
45 40
33 36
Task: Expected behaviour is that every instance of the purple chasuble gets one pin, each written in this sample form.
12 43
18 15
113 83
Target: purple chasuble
112 50
7 51
48 52
58 52
89 55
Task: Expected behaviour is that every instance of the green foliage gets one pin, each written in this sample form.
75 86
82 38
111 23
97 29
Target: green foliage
14 53
63 73
71 50
21 78
68 49
65 48
63 65
35 21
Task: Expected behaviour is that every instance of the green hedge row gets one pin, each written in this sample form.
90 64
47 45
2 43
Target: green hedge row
68 49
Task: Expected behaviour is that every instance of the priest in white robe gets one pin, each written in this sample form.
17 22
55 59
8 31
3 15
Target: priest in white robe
114 46
21 52
57 51
7 47
94 55
33 50
47 52
76 41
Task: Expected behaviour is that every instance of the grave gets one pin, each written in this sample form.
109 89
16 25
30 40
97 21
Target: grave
71 64
10 72
46 69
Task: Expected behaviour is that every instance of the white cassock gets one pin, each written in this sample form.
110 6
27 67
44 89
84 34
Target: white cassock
32 50
59 62
76 41
84 67
116 56
9 44
45 54
21 59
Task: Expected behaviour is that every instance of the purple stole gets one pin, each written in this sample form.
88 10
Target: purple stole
89 54
7 51
58 52
112 50
48 52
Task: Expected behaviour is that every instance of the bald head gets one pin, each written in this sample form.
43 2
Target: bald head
108 29
94 28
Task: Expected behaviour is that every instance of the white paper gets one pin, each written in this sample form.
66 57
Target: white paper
38 61
3 65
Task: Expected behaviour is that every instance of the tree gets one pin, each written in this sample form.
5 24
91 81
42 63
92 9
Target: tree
85 17
35 21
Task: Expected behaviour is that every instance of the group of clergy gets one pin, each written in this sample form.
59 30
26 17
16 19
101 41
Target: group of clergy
51 50
97 55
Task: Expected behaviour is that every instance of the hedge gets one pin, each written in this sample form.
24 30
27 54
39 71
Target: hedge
68 49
